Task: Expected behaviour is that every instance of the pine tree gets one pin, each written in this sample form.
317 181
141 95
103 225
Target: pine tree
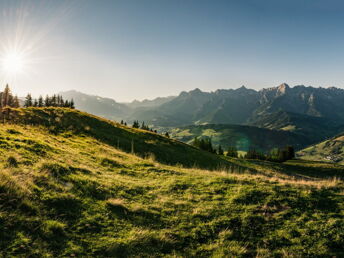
290 152
54 101
6 96
72 104
232 152
59 101
15 102
47 101
136 124
35 103
220 150
40 101
28 101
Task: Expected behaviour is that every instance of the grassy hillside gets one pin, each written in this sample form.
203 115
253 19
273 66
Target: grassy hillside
72 193
243 137
143 143
314 129
331 150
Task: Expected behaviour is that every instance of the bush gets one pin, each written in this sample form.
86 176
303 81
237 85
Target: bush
12 162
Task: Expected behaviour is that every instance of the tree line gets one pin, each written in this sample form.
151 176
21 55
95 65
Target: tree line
48 101
143 126
7 99
275 155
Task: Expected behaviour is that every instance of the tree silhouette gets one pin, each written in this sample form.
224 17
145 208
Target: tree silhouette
28 101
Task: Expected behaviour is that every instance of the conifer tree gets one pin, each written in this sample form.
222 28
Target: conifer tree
220 150
15 102
40 101
47 101
6 96
72 104
28 101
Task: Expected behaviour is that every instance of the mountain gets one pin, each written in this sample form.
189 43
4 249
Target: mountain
71 185
104 107
316 102
331 150
245 106
317 113
149 103
313 128
180 110
242 137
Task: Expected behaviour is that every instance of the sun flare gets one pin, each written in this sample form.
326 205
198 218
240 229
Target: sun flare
13 62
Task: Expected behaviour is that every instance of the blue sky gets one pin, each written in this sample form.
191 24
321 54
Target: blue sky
147 48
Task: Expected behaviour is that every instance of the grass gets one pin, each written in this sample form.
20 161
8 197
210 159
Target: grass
331 150
72 194
143 143
240 136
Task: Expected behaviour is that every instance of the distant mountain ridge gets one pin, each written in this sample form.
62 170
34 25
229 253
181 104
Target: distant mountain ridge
301 109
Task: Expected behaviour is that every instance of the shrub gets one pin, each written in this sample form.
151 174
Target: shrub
55 169
12 162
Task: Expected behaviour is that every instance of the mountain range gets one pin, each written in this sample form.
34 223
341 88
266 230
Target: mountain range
314 113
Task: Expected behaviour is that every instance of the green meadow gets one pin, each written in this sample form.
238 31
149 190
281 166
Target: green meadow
74 185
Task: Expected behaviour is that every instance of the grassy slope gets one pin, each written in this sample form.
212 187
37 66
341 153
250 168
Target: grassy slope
68 194
243 137
331 150
144 143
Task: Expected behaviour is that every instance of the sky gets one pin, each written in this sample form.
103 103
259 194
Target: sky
139 49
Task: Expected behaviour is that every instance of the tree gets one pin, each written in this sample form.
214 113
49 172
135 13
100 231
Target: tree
220 150
167 135
28 101
53 101
72 104
47 101
232 152
40 101
6 96
15 102
290 152
136 124
204 144
254 154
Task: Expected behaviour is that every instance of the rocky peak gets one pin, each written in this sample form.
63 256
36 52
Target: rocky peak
282 89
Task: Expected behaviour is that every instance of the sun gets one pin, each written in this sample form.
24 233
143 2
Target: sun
13 63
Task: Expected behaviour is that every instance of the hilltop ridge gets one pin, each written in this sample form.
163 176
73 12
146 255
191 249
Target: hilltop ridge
141 142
